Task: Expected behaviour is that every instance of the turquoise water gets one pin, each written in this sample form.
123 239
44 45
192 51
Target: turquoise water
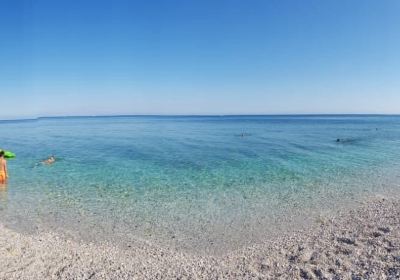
203 183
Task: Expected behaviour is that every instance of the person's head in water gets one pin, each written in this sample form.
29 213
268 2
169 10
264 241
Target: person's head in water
2 154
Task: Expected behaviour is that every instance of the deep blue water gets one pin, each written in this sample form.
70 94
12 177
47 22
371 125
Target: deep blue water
192 181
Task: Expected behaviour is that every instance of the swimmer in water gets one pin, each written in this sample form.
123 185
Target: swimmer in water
50 160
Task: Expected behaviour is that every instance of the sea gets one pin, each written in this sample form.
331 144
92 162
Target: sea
203 184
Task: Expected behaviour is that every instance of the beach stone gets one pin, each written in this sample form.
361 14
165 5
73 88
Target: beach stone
315 257
346 240
393 273
293 258
356 277
384 229
305 274
320 274
344 251
376 234
306 255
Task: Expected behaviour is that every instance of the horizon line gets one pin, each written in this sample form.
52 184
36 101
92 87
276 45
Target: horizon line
198 115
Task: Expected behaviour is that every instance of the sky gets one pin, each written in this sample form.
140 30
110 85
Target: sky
70 57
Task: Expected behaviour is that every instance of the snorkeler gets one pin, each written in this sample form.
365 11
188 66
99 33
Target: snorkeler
243 134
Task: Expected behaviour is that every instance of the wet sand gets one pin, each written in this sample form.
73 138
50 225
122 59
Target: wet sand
363 243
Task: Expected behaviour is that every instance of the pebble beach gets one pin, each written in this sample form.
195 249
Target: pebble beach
361 243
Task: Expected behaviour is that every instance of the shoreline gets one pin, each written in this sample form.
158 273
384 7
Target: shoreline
356 244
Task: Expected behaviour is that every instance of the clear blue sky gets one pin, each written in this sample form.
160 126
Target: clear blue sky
70 57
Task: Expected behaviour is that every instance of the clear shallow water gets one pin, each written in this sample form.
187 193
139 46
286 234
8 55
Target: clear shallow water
195 183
